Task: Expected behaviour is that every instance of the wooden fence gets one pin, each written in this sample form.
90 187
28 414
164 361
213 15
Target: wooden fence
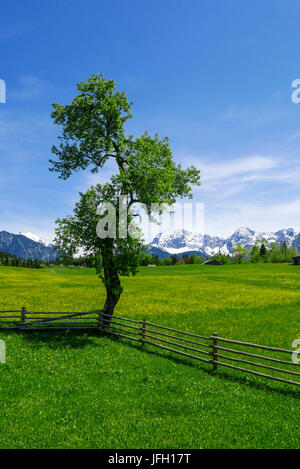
28 320
214 350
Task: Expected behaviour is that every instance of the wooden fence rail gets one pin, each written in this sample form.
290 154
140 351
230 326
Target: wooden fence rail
207 349
214 350
29 320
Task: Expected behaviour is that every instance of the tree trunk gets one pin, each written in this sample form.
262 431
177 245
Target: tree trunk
111 281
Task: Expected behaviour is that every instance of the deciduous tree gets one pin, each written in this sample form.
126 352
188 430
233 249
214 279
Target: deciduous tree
93 133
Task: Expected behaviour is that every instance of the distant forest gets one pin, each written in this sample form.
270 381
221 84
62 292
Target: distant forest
261 252
15 261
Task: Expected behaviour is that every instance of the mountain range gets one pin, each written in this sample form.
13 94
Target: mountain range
26 246
31 246
186 242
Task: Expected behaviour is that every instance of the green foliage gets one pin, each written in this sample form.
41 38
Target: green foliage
15 261
239 254
150 173
93 126
78 233
167 261
92 133
254 254
274 253
263 252
193 259
174 258
291 252
145 259
222 258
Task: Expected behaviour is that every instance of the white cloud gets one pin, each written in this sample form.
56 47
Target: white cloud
226 178
247 192
239 192
30 88
223 220
224 170
241 174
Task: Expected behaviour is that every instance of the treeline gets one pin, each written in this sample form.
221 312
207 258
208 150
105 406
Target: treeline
145 259
261 251
87 261
149 259
15 261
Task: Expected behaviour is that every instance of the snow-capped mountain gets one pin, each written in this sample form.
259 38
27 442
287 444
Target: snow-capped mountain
30 246
181 241
177 241
26 246
35 238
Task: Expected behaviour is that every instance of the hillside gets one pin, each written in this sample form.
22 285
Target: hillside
26 248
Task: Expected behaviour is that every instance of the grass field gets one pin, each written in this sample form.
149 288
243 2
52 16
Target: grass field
83 390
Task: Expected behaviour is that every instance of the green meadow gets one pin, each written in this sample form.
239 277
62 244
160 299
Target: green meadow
84 390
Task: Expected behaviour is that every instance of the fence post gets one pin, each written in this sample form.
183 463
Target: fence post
143 328
100 323
23 316
215 350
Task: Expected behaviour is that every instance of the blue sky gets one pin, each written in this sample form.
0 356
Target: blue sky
213 76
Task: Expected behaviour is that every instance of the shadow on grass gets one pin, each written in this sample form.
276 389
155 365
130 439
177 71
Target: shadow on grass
222 375
63 338
79 339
